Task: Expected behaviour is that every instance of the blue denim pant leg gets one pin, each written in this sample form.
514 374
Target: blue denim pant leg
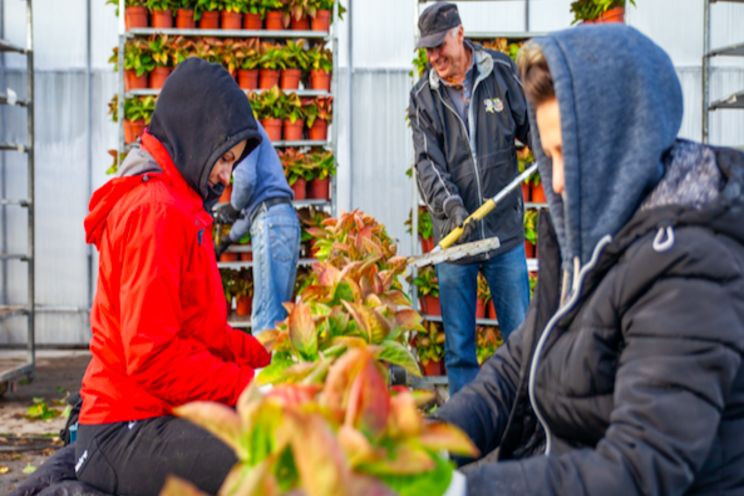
458 288
275 235
509 282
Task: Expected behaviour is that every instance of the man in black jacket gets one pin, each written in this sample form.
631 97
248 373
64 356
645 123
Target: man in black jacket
466 112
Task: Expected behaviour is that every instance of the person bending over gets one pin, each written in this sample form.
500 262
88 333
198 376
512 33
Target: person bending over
626 377
160 333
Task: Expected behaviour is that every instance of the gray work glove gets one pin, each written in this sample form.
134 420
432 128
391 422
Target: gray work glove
457 214
226 214
221 248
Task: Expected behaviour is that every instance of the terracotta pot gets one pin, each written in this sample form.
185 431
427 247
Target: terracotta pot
526 191
538 194
274 21
273 128
427 244
158 77
291 79
322 21
320 80
248 80
246 256
229 257
244 305
136 129
480 309
232 20
529 249
134 82
226 194
616 15
229 306
209 20
300 189
268 79
319 130
252 21
162 18
318 189
135 17
302 25
433 307
491 310
293 131
185 19
433 369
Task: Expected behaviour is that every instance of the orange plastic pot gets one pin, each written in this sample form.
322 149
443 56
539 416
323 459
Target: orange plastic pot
322 21
268 79
135 130
244 305
491 310
134 82
246 256
433 369
433 306
232 20
274 21
529 249
158 77
616 15
320 80
319 130
185 19
273 128
248 80
229 257
300 189
427 244
538 194
319 189
526 191
480 309
162 18
291 79
135 17
226 194
303 24
209 20
293 130
252 21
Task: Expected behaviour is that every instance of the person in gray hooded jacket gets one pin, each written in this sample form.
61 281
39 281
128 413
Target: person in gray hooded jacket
626 377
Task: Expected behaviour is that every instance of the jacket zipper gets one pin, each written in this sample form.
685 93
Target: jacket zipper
471 122
549 328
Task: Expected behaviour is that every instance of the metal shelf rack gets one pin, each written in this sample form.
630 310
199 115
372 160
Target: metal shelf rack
735 101
13 369
332 143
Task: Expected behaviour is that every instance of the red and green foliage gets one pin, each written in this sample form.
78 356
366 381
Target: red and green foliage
429 343
425 227
487 341
427 283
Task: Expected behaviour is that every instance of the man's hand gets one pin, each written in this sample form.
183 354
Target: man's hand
457 214
221 248
226 214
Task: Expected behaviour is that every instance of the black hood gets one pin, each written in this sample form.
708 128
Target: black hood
200 114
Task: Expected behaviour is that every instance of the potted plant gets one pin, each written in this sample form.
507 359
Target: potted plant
321 17
599 11
273 13
530 233
296 15
228 283
322 165
297 61
137 114
135 13
243 292
207 13
162 13
503 45
185 14
310 218
137 64
253 15
318 114
228 256
321 65
206 48
247 53
228 52
272 59
484 297
266 110
420 63
293 114
428 291
295 170
161 53
429 346
425 228
487 341
525 159
232 13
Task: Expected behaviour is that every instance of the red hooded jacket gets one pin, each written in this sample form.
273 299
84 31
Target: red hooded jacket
159 319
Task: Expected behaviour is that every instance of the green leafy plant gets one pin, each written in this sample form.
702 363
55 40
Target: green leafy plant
161 5
228 283
296 56
427 283
137 57
205 6
161 50
41 411
264 6
242 283
272 56
327 5
311 217
484 291
320 58
320 163
298 9
134 108
185 4
425 227
503 45
429 343
237 6
530 226
420 62
590 10
318 108
115 165
487 341
294 164
247 53
533 282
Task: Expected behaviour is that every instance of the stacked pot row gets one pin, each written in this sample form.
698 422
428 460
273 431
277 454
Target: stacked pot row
295 131
533 192
137 17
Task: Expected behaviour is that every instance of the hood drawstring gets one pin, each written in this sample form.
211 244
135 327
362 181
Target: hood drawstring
660 244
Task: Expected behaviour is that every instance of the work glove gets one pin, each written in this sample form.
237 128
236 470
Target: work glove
457 214
226 214
222 247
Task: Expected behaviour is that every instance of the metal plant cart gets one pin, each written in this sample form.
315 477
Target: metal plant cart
735 101
13 368
234 320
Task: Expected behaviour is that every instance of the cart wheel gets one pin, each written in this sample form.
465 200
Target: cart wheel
4 386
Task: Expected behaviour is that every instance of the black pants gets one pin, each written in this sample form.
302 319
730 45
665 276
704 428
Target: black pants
134 458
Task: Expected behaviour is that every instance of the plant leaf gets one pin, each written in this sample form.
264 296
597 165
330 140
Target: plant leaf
220 420
397 354
302 332
440 436
273 372
179 487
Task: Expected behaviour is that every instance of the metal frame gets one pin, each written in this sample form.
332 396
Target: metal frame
735 101
7 311
332 143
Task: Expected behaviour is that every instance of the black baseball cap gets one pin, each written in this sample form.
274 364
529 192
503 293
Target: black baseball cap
435 22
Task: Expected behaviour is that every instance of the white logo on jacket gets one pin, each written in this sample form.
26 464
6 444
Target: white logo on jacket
493 105
80 462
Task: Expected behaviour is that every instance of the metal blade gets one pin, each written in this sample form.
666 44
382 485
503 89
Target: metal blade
455 253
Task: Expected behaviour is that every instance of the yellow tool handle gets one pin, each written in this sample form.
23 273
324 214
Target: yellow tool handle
452 237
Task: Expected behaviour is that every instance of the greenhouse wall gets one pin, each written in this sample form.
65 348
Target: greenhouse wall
74 84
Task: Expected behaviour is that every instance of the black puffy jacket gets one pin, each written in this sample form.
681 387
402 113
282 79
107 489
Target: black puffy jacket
475 164
639 377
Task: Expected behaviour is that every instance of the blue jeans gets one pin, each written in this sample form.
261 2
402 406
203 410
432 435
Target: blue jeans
275 235
458 291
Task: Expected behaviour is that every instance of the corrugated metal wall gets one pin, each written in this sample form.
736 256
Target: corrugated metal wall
375 145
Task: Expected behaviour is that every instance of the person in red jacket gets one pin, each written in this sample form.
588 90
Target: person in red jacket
159 320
